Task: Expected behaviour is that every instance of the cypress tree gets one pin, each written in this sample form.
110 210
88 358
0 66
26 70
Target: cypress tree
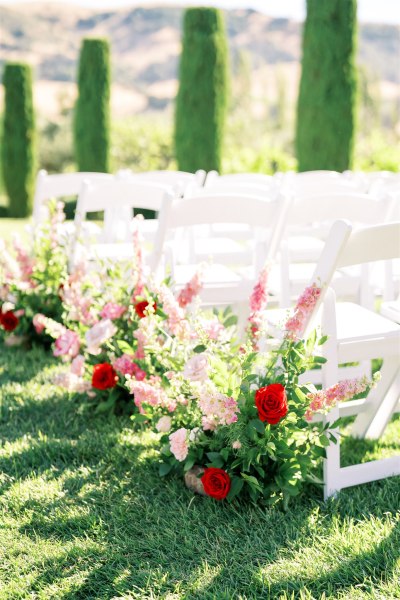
92 111
18 151
202 96
326 103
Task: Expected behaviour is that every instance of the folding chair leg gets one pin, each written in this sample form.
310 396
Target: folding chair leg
372 422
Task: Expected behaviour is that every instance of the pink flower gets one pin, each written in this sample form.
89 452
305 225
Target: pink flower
78 366
67 344
164 424
217 409
71 382
236 445
259 296
296 324
112 311
38 323
323 400
178 444
125 365
191 289
213 328
196 368
148 392
98 335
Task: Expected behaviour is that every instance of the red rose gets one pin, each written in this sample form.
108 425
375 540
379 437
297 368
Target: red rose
140 307
8 320
104 376
271 403
216 483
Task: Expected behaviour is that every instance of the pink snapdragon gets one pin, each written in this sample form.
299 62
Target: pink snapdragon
125 365
217 409
345 390
212 328
171 307
71 382
52 328
111 310
78 365
25 261
150 392
191 289
258 302
138 258
304 308
179 444
67 344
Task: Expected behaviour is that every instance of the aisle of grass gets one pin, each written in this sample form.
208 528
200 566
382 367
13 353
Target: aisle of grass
84 515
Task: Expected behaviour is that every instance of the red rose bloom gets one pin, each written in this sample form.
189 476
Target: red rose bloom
271 403
8 320
140 307
216 483
104 376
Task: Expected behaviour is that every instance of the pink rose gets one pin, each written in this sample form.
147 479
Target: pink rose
98 334
196 368
164 424
67 344
178 444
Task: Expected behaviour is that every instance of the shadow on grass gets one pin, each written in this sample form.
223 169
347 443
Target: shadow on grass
121 531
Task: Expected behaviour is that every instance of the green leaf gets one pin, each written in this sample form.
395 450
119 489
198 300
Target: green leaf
301 395
257 425
252 481
200 348
164 469
106 406
322 340
236 487
140 418
189 464
320 360
125 347
231 320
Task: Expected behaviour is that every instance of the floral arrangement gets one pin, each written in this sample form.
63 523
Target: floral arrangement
31 279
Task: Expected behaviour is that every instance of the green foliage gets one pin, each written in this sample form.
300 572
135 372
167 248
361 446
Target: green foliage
202 96
18 152
326 104
92 116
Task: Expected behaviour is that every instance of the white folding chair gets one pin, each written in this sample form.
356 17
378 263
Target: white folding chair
117 199
180 181
313 216
60 186
223 284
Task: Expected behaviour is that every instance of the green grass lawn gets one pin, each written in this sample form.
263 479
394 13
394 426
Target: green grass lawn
83 514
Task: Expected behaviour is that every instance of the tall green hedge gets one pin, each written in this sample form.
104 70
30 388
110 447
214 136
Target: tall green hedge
326 104
18 148
202 96
92 112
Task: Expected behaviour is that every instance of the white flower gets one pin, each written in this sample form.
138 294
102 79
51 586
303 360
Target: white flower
164 424
196 368
98 334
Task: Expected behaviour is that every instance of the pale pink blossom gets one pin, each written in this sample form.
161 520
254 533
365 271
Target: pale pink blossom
236 445
25 261
111 310
38 323
258 303
171 307
212 328
217 409
71 382
164 424
191 289
345 390
149 392
179 444
303 310
197 367
67 344
78 365
138 267
98 335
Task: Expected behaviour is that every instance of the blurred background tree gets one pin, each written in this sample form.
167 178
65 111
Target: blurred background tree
326 103
92 113
19 143
203 91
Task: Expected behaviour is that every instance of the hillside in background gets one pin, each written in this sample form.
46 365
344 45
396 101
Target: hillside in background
146 47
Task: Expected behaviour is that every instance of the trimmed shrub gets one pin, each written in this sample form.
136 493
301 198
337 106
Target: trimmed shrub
19 143
202 97
326 103
92 113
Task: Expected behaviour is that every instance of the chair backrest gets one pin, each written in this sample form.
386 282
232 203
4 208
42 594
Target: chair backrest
180 181
346 246
227 208
322 208
213 177
221 186
61 185
117 199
